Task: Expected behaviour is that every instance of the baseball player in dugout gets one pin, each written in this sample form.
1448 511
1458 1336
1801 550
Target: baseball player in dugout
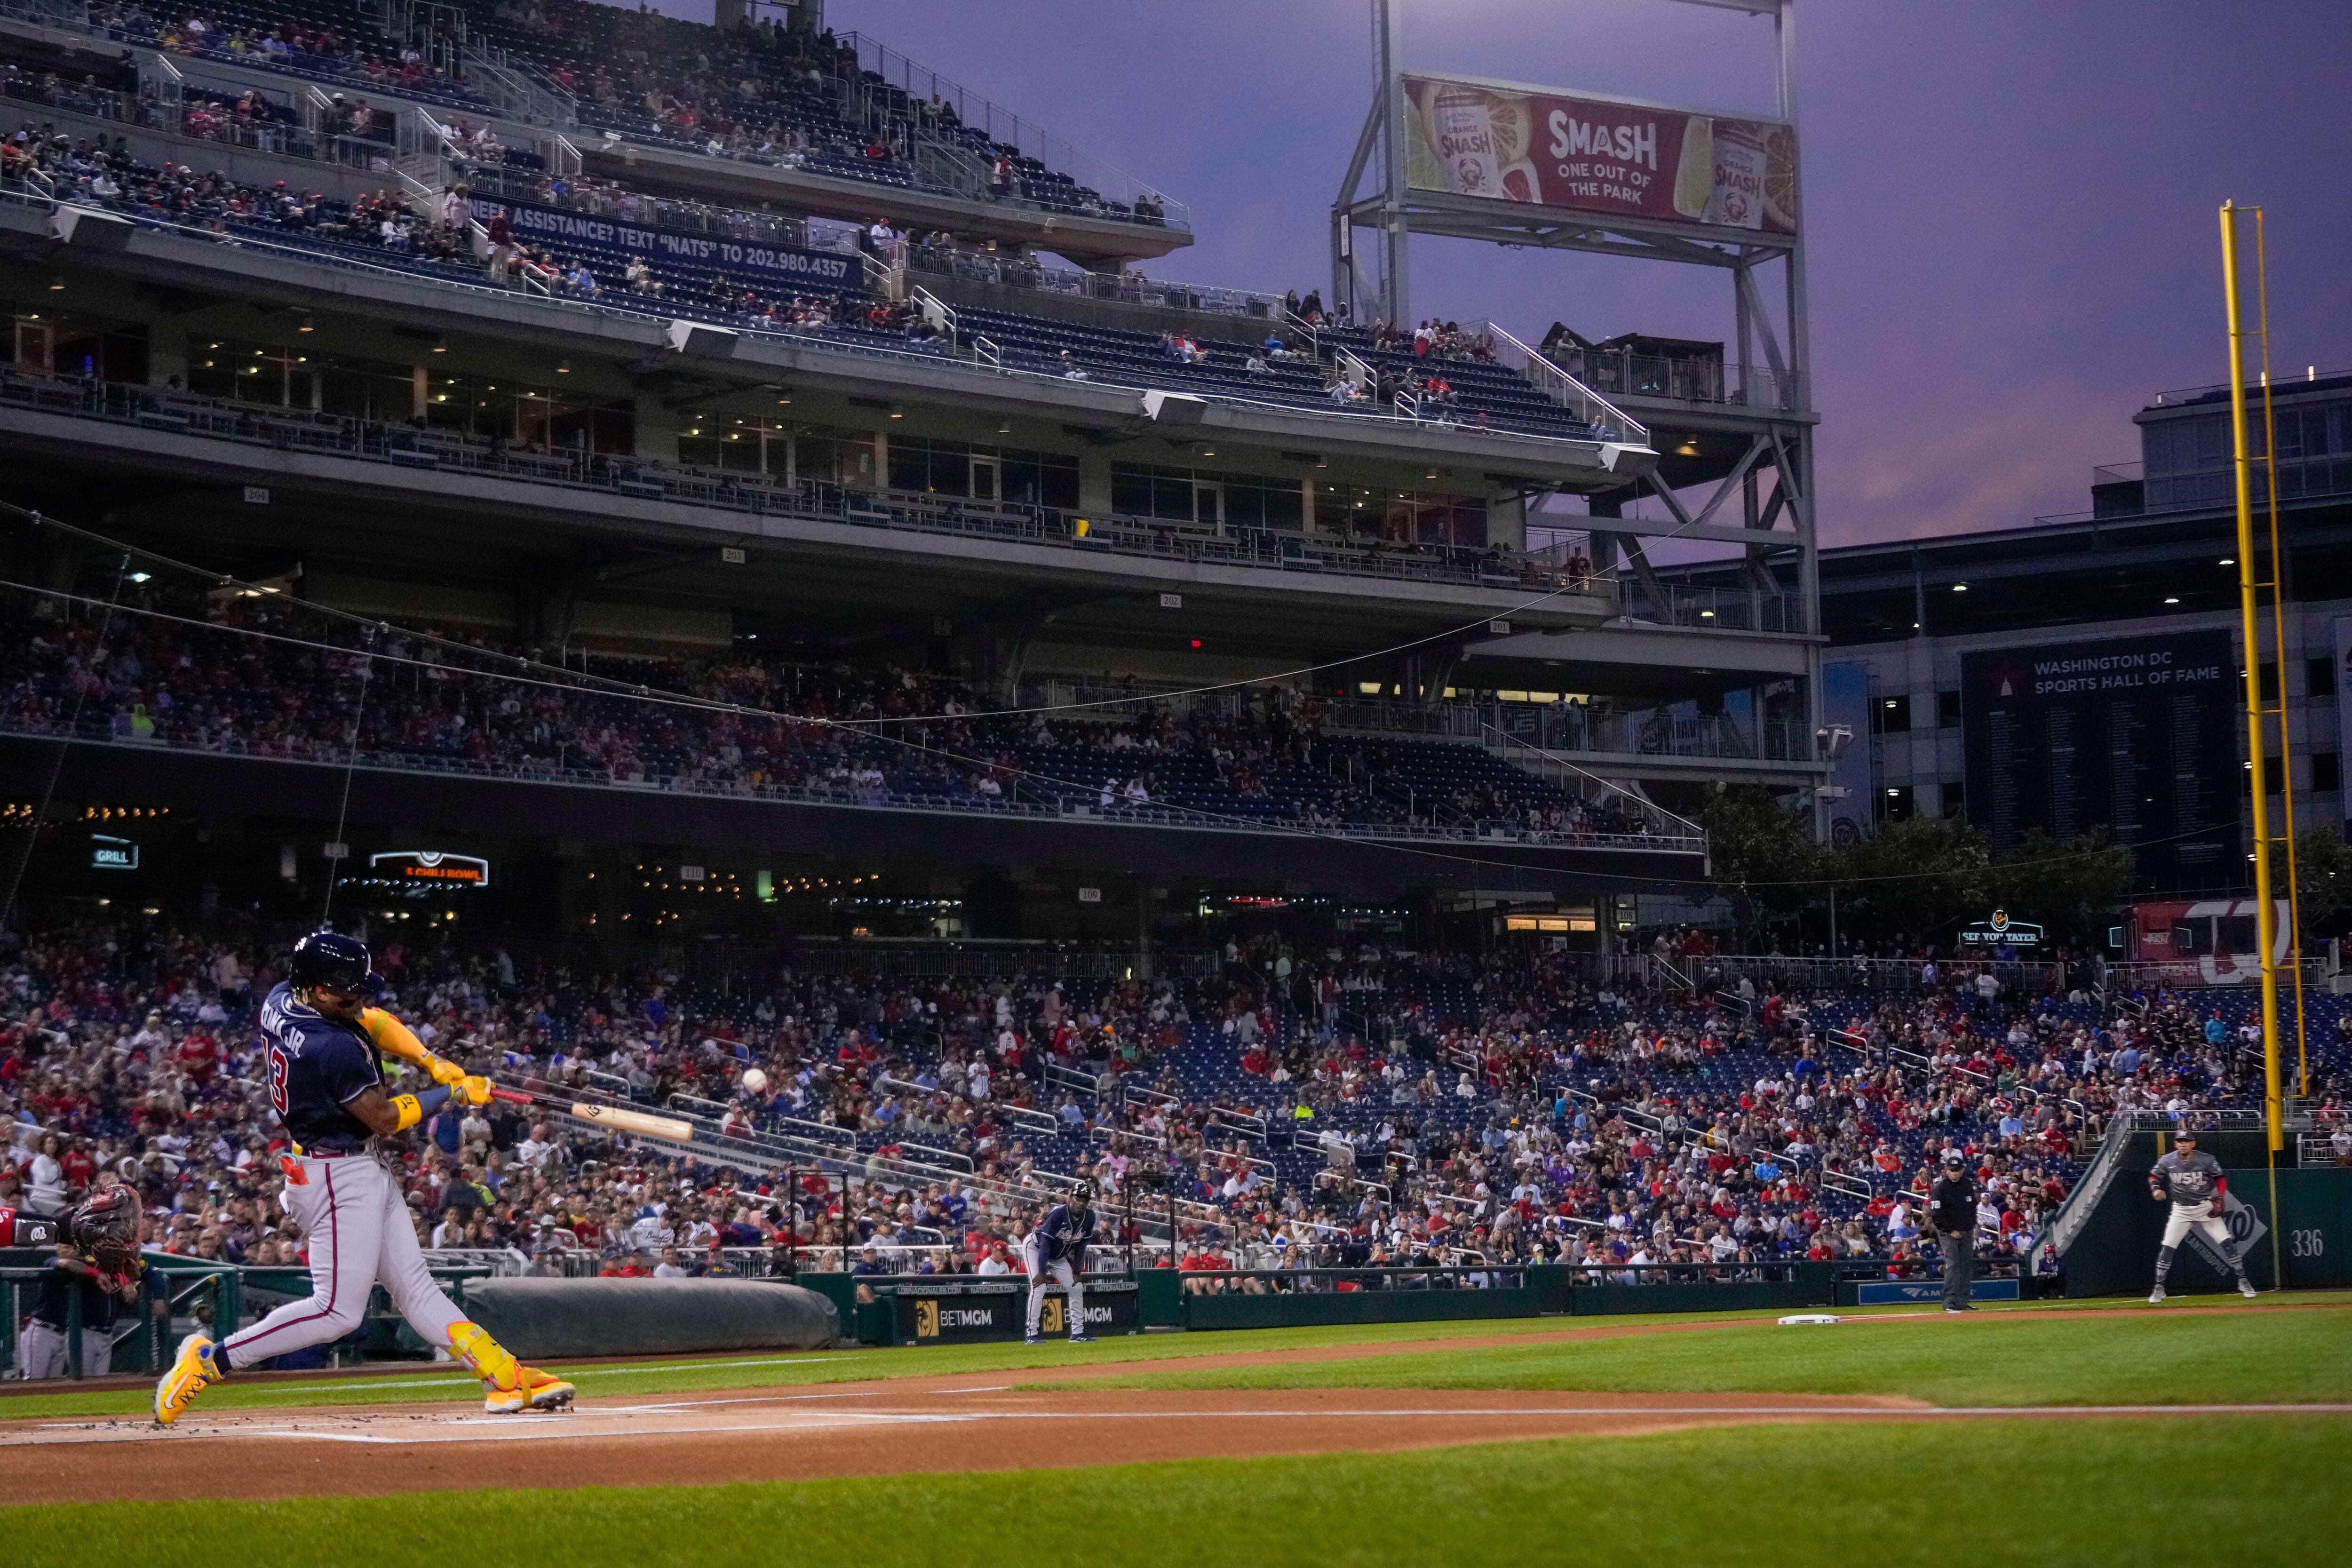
99 1260
327 1089
2191 1181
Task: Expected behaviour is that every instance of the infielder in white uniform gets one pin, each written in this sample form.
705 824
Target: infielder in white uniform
2193 1183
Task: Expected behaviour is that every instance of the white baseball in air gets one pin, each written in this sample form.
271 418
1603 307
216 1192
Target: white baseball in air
754 1082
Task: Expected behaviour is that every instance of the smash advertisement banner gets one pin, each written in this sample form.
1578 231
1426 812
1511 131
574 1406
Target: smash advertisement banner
1600 155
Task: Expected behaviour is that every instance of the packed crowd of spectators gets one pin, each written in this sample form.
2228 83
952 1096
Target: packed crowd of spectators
235 675
1344 1106
760 91
320 51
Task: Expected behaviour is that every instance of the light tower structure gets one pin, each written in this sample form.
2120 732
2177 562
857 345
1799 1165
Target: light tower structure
1569 171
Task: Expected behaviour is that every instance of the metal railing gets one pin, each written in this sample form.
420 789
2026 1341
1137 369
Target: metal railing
1013 271
922 85
1620 373
1725 609
2318 1149
925 803
998 959
628 206
1669 828
757 494
1573 727
1613 423
1895 975
1290 552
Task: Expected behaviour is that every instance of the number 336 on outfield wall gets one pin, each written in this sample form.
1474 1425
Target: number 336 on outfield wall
2307 1244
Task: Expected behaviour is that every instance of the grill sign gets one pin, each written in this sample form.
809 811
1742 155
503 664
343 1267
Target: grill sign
108 853
2002 929
431 867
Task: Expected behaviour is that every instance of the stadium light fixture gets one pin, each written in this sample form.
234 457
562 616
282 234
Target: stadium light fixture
2172 600
306 324
58 284
563 367
1690 449
440 345
141 576
897 412
2229 561
1959 587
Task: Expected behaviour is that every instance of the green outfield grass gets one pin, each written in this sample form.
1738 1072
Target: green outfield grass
2152 1358
426 1384
2093 1491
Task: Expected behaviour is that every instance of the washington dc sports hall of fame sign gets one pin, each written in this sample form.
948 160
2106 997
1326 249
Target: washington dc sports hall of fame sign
2135 735
1611 157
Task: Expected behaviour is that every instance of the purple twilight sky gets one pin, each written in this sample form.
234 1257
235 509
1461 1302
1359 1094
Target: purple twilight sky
2010 205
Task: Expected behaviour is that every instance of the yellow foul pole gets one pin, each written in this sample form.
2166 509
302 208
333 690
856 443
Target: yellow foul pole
2266 915
2278 640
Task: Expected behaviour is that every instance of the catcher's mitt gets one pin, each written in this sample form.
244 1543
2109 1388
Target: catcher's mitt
106 1225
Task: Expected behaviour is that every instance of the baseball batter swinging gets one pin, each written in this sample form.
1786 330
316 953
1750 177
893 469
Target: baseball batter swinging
2193 1181
328 1092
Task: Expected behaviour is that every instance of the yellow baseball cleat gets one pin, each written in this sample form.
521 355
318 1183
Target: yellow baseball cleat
195 1369
508 1385
534 1390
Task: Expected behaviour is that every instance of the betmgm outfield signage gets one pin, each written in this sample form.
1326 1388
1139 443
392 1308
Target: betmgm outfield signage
2135 735
969 1312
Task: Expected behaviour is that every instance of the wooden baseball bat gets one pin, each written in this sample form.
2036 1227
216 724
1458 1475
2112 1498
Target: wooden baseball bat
639 1121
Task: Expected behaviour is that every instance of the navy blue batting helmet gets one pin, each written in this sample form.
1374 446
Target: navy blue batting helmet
337 961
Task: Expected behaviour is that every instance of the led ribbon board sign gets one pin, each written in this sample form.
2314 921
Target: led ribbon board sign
431 867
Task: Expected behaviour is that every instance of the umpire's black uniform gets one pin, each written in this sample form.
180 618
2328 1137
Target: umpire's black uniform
1952 1210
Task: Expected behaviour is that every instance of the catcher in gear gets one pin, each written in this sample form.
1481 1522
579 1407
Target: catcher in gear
100 1261
327 1089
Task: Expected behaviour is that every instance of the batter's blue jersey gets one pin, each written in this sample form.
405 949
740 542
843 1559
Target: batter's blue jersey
317 1066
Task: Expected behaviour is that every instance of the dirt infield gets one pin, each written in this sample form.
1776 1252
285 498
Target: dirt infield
976 1421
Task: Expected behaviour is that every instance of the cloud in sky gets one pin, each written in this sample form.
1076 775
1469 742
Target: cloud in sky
2010 205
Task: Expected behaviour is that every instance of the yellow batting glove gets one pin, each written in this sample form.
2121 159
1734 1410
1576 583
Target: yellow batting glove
443 1070
469 1091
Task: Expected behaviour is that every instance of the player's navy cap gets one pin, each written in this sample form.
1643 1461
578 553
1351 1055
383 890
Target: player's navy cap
334 960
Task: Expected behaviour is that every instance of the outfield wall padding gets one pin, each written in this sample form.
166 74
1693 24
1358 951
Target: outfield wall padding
548 1318
2116 1254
